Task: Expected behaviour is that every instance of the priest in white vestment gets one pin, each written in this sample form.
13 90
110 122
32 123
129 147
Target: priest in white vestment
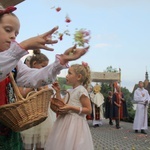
97 105
142 99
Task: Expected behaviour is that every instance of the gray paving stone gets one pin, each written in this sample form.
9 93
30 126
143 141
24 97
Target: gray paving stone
107 137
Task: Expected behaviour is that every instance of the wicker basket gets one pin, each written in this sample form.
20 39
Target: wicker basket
28 112
57 103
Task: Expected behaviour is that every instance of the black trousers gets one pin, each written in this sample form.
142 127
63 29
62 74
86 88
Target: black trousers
117 122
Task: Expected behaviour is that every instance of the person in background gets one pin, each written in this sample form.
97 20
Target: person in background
71 130
142 99
97 105
109 107
10 54
91 96
27 60
119 106
35 137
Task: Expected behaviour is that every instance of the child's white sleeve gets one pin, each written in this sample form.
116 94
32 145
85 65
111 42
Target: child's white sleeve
31 77
10 58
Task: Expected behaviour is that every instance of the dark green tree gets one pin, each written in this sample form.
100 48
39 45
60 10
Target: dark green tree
63 85
110 69
129 102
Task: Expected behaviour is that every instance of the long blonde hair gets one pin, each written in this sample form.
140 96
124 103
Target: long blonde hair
84 70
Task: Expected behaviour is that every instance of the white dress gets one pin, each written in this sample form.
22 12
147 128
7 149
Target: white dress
71 131
141 116
37 135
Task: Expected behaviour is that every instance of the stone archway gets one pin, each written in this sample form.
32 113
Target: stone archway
107 77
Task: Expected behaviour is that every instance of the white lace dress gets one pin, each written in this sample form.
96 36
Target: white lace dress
71 131
36 136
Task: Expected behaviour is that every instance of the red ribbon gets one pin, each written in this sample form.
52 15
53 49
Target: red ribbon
7 10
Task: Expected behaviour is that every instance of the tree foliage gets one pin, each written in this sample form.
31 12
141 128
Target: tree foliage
110 69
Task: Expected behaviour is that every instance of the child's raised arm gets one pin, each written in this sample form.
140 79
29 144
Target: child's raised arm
40 41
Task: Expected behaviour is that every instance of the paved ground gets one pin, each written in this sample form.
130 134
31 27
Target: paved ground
107 137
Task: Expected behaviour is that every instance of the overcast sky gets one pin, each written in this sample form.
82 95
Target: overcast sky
120 32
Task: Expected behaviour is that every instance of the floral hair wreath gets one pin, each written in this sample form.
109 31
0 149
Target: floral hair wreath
7 10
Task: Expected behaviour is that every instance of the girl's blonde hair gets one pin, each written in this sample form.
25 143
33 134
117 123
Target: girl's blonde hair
84 70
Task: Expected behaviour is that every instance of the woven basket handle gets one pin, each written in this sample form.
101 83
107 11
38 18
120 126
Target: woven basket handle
30 93
67 93
15 87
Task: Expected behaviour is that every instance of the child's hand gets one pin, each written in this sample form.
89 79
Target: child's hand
64 110
56 86
39 41
72 53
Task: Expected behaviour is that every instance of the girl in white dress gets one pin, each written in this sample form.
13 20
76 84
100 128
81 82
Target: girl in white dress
71 130
35 137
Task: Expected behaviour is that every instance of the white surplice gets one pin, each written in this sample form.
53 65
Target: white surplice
140 119
98 100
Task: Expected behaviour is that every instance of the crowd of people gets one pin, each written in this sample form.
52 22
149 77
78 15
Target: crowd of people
10 54
52 130
114 107
68 129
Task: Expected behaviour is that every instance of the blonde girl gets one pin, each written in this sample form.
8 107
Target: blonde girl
71 130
